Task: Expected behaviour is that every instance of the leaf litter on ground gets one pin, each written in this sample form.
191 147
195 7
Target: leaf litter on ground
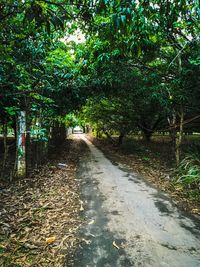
39 215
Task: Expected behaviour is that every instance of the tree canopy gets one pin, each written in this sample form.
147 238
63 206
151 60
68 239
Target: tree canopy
138 66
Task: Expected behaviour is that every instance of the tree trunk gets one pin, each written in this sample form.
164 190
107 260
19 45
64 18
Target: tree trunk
28 142
21 144
84 128
179 138
54 133
62 133
147 135
5 155
173 131
181 115
58 134
120 139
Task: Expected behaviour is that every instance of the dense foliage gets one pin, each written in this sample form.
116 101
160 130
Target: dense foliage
146 54
138 69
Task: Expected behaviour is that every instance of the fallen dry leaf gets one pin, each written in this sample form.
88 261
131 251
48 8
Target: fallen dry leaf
50 240
81 208
91 222
86 241
115 245
195 210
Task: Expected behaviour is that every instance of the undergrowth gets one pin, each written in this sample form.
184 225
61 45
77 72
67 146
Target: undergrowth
188 174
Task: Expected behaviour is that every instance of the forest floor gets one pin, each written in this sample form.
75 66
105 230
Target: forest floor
40 215
155 162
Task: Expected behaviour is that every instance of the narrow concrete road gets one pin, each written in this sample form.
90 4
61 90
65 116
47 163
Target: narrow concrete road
120 207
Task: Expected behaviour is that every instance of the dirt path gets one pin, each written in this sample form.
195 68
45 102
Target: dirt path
120 207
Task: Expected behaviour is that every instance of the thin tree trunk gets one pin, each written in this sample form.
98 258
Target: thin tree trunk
173 131
5 155
181 115
28 142
147 135
21 144
120 139
179 138
14 172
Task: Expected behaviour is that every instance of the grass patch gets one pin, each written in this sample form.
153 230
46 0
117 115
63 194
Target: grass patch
188 171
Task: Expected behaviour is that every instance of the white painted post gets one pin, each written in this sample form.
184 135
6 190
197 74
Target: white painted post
21 144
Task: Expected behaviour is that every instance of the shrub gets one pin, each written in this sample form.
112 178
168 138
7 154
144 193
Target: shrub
188 171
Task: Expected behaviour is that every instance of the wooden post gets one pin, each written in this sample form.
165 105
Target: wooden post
21 144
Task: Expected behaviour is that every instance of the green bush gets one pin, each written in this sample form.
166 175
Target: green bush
188 171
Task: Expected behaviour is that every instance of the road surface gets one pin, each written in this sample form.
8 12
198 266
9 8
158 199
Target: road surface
128 222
